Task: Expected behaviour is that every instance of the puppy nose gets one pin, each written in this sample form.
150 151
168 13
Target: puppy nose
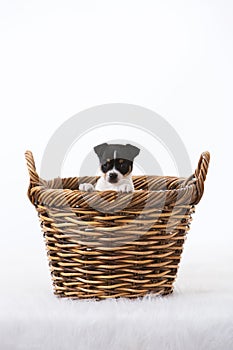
113 176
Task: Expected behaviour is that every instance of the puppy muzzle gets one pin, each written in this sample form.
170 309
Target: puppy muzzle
113 177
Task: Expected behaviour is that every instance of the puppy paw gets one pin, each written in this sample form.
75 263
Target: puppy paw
125 188
86 187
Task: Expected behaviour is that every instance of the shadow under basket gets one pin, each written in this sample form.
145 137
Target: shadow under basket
108 244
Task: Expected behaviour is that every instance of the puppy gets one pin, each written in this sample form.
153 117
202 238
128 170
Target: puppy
116 164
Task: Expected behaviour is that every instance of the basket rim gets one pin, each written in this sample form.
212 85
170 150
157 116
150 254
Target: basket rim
191 187
47 185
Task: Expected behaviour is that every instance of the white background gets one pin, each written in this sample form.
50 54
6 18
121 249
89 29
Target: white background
172 57
61 57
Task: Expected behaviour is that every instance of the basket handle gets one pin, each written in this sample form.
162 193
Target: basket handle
200 174
34 177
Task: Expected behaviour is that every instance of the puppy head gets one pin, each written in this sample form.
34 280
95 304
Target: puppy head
116 161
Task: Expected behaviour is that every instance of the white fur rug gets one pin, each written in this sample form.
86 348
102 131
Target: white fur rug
198 316
190 322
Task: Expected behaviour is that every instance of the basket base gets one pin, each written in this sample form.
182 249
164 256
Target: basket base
167 292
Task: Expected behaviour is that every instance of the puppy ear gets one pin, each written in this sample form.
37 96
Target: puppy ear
100 149
133 150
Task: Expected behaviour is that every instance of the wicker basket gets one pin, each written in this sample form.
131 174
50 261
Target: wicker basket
105 244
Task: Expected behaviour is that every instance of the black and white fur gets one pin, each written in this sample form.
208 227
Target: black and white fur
116 164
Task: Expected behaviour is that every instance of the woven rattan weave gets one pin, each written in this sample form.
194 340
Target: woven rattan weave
106 244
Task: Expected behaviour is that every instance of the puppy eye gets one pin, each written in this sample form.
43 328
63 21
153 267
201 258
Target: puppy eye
105 166
123 165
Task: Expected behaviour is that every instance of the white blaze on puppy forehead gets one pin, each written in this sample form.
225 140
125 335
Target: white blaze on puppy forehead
114 155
